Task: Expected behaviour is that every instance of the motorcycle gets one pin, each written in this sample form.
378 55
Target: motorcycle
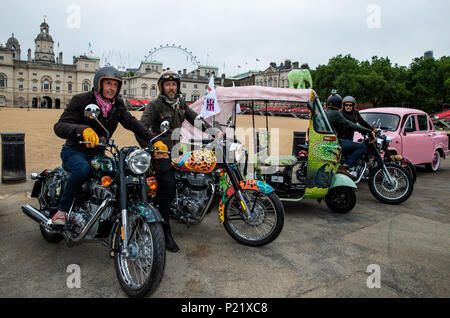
249 210
112 208
389 182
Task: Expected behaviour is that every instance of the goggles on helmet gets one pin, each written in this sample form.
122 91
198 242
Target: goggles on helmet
169 76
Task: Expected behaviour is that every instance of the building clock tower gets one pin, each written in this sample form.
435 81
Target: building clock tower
44 45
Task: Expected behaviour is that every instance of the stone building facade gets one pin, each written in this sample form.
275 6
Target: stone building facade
142 84
45 81
276 76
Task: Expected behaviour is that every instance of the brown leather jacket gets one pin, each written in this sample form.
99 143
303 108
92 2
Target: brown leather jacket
158 111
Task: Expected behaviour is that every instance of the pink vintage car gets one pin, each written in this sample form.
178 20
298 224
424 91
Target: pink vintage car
413 134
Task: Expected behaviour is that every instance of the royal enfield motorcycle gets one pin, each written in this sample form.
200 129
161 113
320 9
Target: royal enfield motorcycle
388 180
111 208
249 210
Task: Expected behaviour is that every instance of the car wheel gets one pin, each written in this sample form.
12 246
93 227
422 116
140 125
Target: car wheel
435 164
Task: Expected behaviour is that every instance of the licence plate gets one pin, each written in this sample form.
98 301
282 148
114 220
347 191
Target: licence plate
277 179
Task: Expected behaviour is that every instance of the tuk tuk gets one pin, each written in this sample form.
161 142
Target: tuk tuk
264 119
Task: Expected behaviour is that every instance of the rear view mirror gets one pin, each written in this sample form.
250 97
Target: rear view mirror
91 110
164 126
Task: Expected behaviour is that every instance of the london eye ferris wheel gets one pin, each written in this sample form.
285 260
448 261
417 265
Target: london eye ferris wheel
174 56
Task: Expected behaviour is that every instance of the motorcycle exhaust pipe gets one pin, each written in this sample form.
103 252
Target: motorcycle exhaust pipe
35 214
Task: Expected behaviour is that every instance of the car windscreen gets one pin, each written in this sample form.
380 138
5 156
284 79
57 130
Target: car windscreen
320 119
382 120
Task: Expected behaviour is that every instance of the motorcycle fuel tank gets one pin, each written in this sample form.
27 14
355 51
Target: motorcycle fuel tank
202 161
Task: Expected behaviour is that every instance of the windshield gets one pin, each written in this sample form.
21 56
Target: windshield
320 120
382 120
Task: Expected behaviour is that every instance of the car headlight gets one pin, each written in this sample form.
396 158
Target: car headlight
138 161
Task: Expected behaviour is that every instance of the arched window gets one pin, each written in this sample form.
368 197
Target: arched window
270 82
3 80
46 84
86 86
153 91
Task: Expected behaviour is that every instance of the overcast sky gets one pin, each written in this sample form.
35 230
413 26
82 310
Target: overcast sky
228 33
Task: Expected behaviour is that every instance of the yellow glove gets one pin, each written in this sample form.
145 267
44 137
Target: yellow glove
90 136
159 145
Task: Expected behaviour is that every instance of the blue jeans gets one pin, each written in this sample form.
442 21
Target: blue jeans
353 151
79 166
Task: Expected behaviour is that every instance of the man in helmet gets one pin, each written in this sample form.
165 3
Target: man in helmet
75 128
169 106
353 115
343 126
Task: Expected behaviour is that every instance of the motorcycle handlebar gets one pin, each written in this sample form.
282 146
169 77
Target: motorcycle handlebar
203 141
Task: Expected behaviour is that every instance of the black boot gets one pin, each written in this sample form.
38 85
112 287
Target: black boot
171 246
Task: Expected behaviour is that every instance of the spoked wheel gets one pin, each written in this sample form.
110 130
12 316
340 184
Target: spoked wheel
261 224
341 199
140 272
397 191
435 164
411 169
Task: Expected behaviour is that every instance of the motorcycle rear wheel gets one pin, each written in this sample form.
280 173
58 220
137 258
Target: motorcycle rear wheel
396 193
264 224
141 273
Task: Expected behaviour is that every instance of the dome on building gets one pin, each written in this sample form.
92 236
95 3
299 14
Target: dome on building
12 41
44 35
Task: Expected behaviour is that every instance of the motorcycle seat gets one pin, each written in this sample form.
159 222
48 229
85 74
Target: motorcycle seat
280 161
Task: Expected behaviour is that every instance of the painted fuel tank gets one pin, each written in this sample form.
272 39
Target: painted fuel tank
202 161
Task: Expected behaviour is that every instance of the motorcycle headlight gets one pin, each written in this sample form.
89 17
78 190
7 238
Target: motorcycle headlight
379 141
388 140
138 161
239 151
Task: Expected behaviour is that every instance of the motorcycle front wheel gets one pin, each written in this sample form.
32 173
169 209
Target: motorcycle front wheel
141 271
258 226
392 193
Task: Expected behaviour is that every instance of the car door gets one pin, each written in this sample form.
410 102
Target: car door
416 140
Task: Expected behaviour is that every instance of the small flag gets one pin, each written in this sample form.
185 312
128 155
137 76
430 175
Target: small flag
210 104
258 60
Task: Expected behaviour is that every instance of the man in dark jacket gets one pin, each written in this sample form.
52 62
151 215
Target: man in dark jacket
343 126
82 134
353 115
171 107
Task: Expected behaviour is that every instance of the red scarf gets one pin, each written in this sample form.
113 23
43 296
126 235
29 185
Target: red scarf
105 105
